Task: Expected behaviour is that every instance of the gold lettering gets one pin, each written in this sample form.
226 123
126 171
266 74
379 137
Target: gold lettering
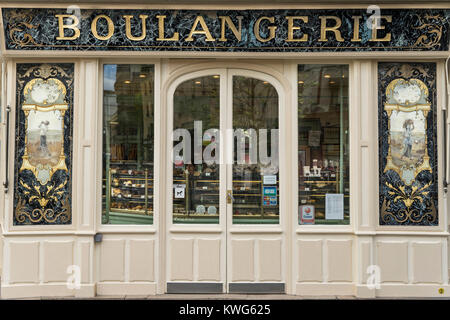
110 27
271 29
62 26
204 30
128 27
161 37
324 29
374 37
291 28
229 22
356 20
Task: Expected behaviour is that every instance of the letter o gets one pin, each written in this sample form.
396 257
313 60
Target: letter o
110 27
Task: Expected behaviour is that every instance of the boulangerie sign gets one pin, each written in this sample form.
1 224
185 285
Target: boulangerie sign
290 30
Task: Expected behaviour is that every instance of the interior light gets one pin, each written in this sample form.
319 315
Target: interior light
216 76
127 82
327 76
197 82
142 76
301 82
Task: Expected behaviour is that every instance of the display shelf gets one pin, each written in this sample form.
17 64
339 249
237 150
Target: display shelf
128 193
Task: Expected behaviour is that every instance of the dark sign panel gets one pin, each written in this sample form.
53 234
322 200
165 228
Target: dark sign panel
226 30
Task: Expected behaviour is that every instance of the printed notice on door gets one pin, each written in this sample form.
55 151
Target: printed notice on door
334 206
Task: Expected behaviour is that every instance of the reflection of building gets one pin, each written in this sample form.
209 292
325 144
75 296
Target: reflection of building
141 224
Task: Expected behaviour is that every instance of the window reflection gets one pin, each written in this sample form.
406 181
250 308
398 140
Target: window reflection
128 143
255 172
195 173
323 158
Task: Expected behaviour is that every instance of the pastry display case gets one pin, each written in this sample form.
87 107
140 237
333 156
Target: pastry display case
196 194
129 193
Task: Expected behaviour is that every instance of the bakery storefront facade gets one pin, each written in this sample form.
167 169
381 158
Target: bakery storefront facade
148 149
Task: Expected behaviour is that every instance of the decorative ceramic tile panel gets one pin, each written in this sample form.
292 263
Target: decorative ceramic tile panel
43 146
407 144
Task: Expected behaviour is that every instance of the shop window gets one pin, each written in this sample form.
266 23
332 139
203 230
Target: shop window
196 183
256 189
323 150
128 144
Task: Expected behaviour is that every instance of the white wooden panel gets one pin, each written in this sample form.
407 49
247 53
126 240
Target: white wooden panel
85 261
364 256
58 256
243 260
24 261
427 262
181 266
209 259
310 260
270 260
142 260
112 260
339 260
392 258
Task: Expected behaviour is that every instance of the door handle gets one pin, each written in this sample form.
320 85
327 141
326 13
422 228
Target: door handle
6 182
230 198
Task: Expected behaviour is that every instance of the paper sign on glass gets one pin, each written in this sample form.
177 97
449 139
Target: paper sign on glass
179 191
334 206
270 179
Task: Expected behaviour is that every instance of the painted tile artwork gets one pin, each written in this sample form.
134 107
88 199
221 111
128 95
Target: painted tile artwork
407 148
44 144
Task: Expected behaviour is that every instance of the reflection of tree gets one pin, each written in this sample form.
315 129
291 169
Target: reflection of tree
255 104
197 100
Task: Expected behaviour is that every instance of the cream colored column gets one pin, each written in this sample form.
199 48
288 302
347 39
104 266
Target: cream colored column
363 168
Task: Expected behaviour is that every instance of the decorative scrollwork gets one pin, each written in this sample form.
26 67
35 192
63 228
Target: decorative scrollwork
39 214
432 26
20 22
408 214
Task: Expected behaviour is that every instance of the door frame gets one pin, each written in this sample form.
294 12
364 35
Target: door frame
225 226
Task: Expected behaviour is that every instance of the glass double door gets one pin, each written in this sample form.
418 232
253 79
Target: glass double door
225 184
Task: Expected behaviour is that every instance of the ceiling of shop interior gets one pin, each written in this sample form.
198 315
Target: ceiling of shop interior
227 2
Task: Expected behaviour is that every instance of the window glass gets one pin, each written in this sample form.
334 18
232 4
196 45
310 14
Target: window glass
128 143
256 190
196 151
323 152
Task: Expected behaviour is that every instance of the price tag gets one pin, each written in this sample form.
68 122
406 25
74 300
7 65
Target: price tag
205 188
306 189
207 174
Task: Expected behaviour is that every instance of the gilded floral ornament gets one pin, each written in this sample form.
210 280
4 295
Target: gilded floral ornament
432 26
20 22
